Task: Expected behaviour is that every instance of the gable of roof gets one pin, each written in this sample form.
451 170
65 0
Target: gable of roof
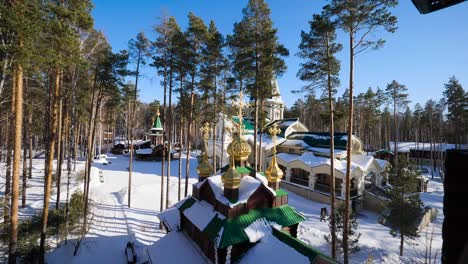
321 139
249 127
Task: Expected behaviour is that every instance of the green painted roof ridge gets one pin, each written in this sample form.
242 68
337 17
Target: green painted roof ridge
213 227
187 204
233 232
281 192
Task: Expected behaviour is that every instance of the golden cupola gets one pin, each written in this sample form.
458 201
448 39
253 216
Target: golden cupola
239 148
273 173
204 168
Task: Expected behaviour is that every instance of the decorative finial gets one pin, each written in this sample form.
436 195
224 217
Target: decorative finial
204 168
206 131
274 173
231 180
157 111
274 131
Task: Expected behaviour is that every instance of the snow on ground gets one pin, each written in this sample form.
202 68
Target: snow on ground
114 224
375 239
35 187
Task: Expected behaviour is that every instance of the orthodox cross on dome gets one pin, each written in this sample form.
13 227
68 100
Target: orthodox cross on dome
204 168
274 131
274 173
241 104
206 130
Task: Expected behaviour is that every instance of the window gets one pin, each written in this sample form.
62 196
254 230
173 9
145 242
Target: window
300 176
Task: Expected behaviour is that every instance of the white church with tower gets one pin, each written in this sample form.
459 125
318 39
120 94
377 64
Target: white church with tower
304 156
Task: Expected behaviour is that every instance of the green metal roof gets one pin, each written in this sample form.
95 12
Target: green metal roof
212 229
233 232
157 124
249 128
384 151
240 170
321 139
187 204
313 254
281 192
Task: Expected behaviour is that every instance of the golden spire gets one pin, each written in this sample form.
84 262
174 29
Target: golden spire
273 173
204 168
231 178
157 111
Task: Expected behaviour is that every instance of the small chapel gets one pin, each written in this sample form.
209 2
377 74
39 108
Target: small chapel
239 215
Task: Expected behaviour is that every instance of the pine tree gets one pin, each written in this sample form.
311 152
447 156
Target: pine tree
196 36
398 98
321 68
138 49
457 103
353 234
214 62
359 19
256 41
404 204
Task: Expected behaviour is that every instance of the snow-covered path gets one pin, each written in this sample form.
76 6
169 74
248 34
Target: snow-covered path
113 223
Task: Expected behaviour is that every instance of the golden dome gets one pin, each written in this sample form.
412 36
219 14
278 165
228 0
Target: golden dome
239 149
231 178
274 173
204 168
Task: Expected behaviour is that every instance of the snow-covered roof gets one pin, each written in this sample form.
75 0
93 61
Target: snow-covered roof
258 229
247 187
363 161
140 142
301 143
267 141
171 216
175 247
270 249
382 163
407 146
311 160
201 213
144 151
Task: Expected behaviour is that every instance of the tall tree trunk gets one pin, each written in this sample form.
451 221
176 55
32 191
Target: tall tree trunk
163 141
72 141
90 157
59 153
214 125
25 170
130 167
181 111
16 163
401 244
10 139
189 130
332 153
260 149
395 138
50 165
170 119
30 144
348 149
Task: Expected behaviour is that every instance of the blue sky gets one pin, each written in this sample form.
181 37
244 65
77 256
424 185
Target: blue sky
424 52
